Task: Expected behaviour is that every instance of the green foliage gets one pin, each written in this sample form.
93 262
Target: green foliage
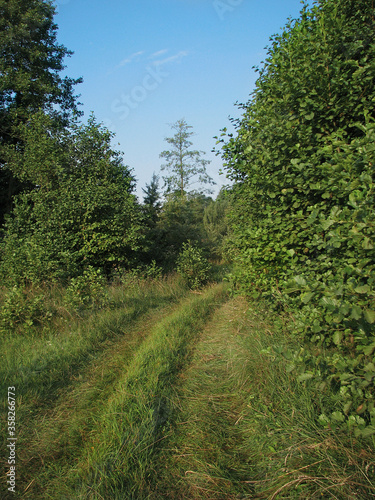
31 61
215 221
82 214
303 218
180 220
193 266
87 291
185 167
22 310
151 201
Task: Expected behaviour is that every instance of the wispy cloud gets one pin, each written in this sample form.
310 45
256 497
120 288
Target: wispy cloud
158 53
175 58
129 59
156 58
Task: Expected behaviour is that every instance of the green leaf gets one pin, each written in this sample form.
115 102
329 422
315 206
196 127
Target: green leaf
300 280
306 297
368 431
368 350
363 289
305 376
367 244
338 416
356 312
337 337
369 315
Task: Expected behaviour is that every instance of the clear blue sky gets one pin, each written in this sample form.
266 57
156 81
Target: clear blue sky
147 63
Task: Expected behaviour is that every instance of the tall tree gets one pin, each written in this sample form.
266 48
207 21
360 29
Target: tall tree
186 167
304 201
31 61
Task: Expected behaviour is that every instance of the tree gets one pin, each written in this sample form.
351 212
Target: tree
185 167
151 200
82 214
31 61
216 224
304 200
180 220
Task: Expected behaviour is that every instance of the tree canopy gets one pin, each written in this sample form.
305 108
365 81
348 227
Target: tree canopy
31 62
82 213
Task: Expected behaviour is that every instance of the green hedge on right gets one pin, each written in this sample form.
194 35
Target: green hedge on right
303 221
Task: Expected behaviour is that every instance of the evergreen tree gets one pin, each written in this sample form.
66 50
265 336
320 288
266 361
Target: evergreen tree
151 201
185 167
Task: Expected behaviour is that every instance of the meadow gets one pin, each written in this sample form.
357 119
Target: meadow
148 390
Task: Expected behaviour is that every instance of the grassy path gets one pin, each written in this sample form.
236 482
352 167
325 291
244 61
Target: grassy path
63 379
97 436
206 456
179 397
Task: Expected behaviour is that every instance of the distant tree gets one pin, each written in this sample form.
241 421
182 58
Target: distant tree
185 167
180 220
151 201
216 223
31 61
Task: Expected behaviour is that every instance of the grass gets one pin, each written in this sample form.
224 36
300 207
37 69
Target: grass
116 461
164 393
247 428
106 375
72 361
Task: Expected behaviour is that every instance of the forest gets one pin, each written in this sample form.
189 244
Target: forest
184 345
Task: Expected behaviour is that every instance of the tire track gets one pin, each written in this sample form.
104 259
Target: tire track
203 458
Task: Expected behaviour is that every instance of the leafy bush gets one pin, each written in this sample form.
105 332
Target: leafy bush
87 291
303 222
83 214
193 266
22 310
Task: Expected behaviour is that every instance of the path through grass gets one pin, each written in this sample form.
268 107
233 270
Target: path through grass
176 395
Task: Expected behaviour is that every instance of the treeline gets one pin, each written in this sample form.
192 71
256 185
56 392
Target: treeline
303 161
67 199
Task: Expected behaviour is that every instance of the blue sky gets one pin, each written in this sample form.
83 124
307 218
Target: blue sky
147 63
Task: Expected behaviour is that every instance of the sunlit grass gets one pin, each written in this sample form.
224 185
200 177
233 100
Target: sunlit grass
66 366
164 393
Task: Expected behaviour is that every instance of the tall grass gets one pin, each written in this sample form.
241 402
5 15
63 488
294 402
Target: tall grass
162 393
248 429
120 453
68 360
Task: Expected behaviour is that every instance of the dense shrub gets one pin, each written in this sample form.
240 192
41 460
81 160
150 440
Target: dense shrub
87 291
193 266
303 161
82 213
22 310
